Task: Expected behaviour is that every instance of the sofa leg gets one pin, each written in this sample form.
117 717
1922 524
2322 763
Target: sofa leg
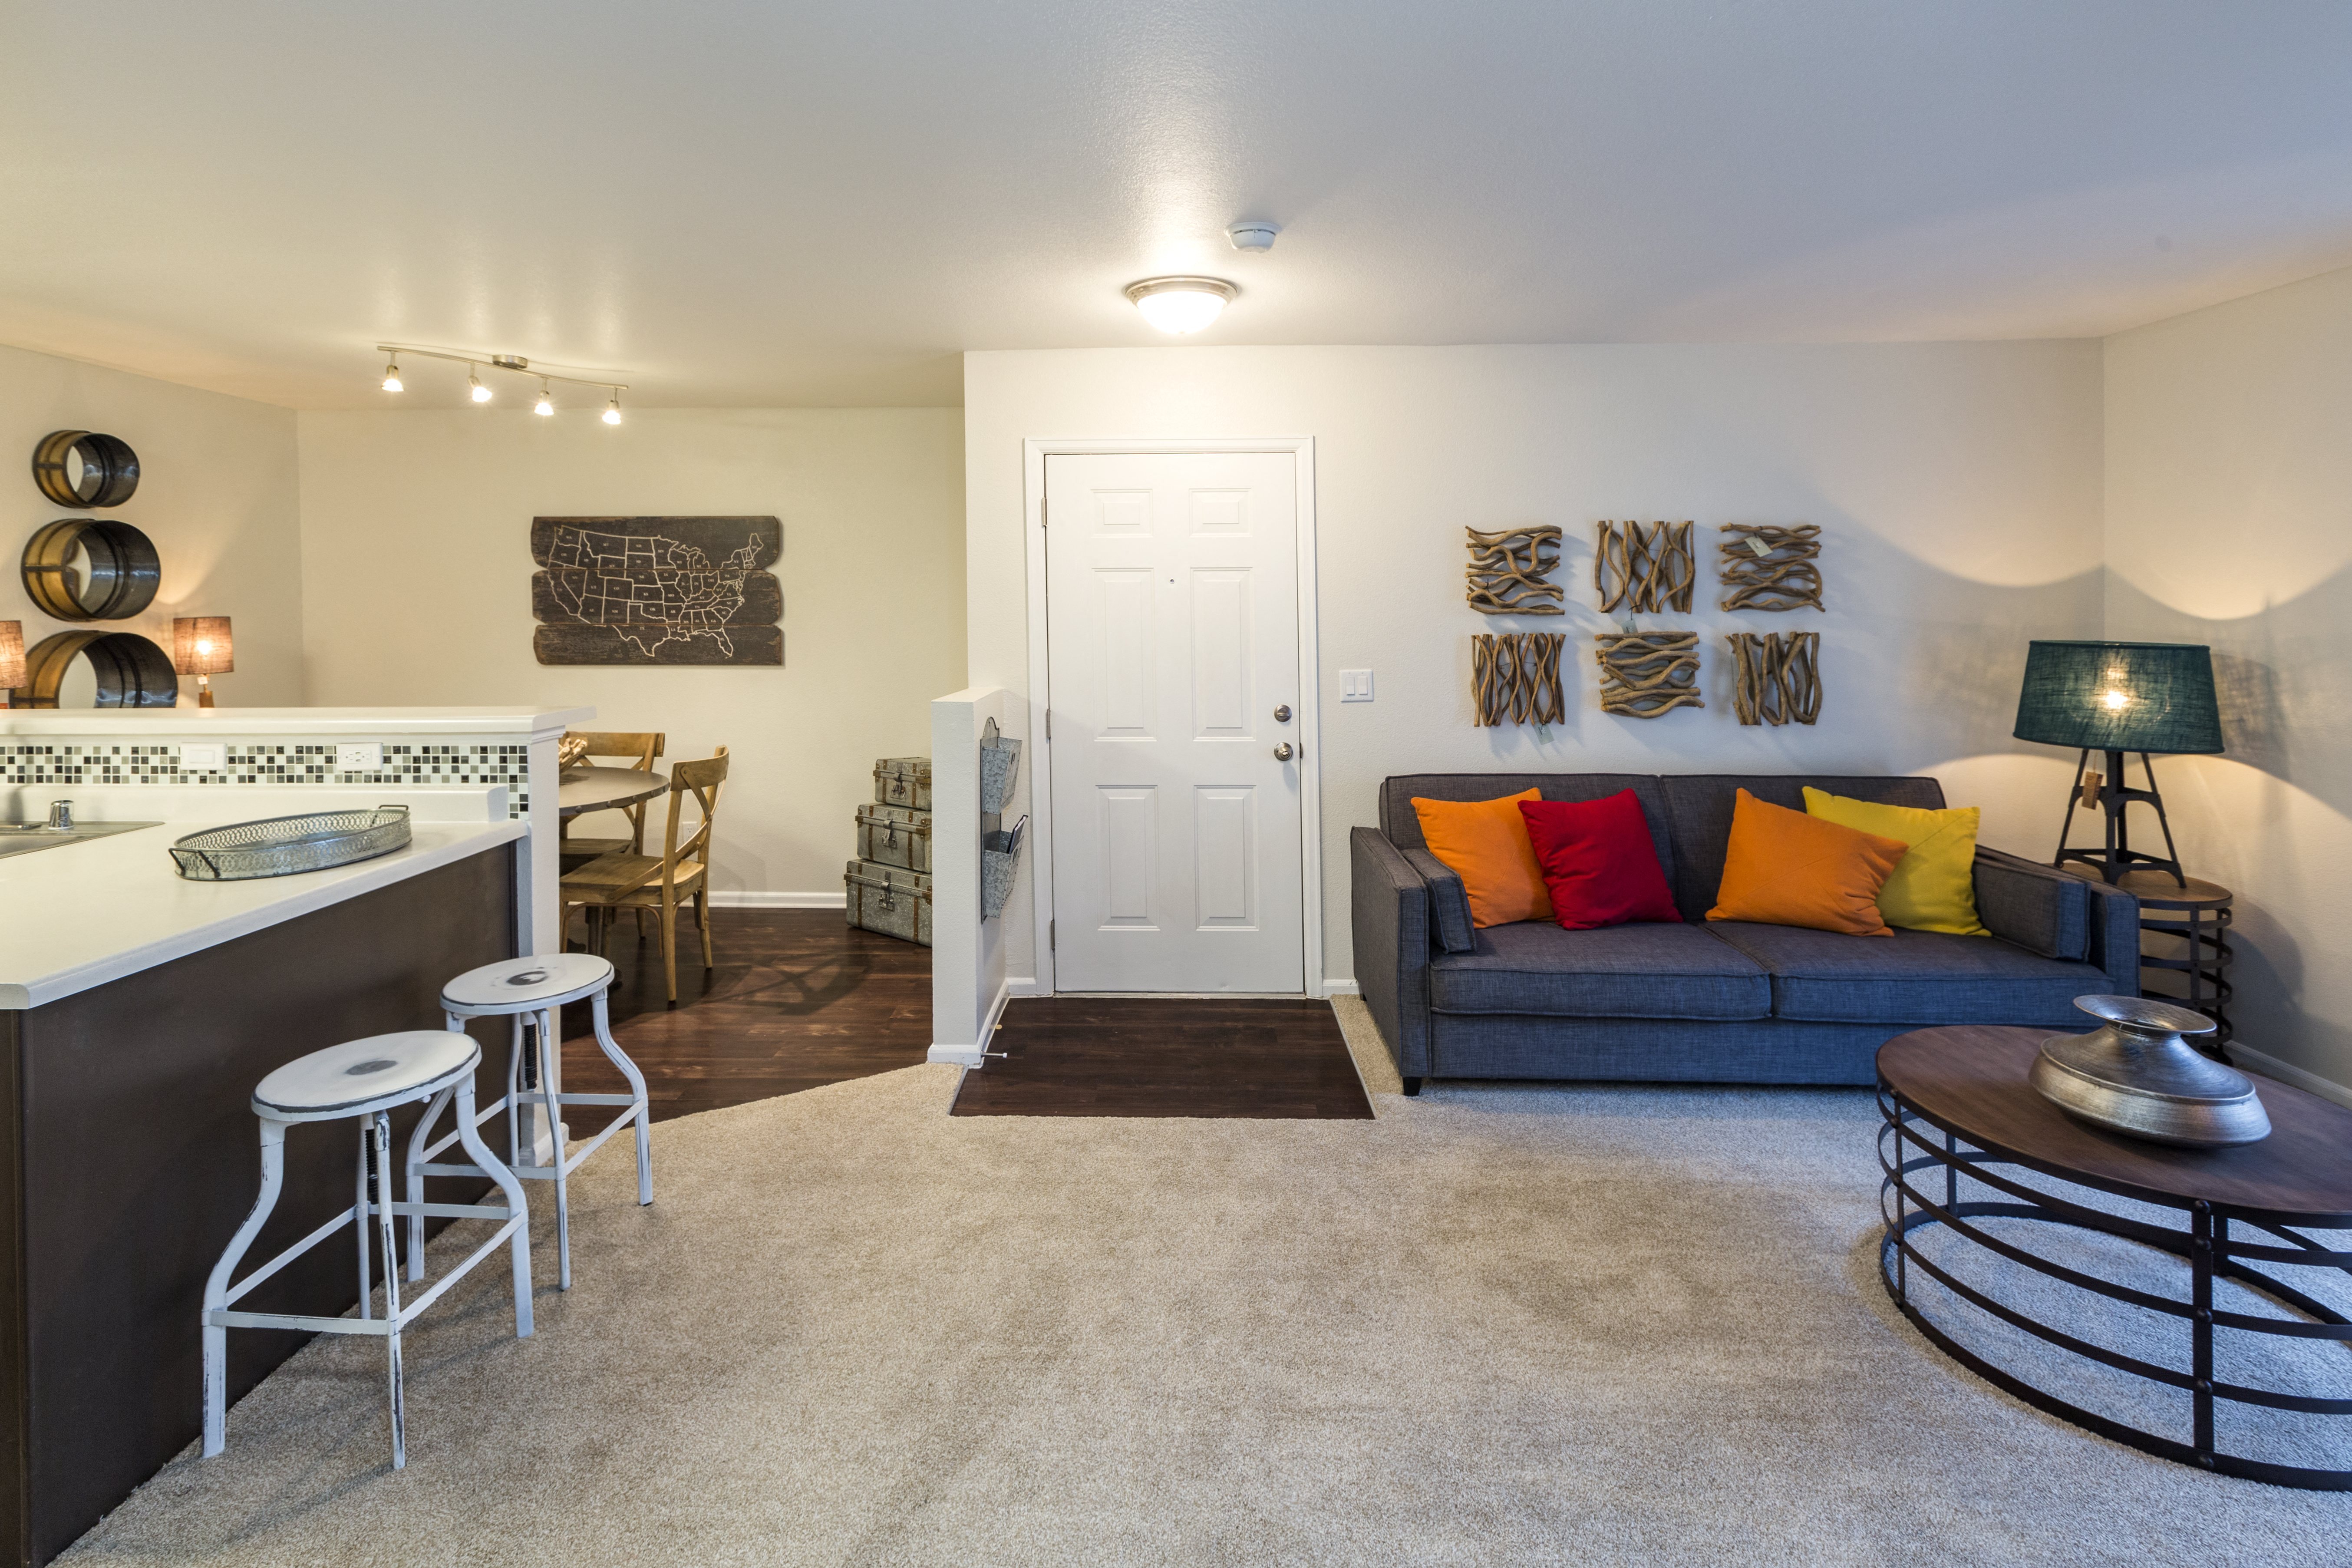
1412 1087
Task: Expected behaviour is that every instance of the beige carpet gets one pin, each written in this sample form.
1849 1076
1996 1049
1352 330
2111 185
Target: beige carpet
1496 1325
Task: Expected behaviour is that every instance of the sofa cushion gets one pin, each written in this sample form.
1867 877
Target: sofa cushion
1403 826
1486 843
1698 809
1600 863
1615 972
1920 977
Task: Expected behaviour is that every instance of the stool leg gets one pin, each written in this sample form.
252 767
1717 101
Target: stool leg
547 1085
514 1092
416 1142
382 1127
273 1177
470 1137
359 1227
619 1059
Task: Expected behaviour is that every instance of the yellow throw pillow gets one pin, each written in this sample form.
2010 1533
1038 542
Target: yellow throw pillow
1932 887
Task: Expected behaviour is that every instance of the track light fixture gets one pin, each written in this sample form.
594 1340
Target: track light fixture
474 364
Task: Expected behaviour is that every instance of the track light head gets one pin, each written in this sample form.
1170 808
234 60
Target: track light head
546 404
481 393
613 410
392 374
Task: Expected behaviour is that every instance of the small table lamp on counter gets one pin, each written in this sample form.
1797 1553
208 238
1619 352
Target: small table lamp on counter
12 659
2119 696
201 646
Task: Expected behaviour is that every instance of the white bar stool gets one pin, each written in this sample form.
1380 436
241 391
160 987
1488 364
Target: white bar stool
538 988
366 1079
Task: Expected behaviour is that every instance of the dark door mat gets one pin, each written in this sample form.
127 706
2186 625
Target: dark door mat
1135 1056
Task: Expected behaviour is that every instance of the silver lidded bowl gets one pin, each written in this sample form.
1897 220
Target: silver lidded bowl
2138 1077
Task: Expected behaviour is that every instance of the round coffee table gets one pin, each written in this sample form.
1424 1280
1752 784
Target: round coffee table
1956 1106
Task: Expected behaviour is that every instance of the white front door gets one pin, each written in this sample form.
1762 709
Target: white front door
1171 591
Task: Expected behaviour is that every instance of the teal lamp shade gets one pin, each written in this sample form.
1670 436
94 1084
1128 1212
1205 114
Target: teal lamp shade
2120 697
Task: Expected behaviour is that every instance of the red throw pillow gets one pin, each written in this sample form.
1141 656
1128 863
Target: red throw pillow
1599 864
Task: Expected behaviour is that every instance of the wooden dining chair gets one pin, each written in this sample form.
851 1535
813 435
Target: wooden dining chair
636 749
657 883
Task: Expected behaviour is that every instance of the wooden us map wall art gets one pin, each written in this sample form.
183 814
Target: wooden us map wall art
1507 568
1515 677
1643 568
1645 674
1778 677
1770 568
656 590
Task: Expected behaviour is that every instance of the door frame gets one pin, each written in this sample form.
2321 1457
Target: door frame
1308 702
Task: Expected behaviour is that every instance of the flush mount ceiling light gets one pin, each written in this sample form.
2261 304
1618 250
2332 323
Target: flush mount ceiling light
1181 305
474 364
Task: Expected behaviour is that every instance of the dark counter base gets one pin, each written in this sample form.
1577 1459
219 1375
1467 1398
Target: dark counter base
128 1157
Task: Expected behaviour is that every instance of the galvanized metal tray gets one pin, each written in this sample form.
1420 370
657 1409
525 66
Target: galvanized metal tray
283 846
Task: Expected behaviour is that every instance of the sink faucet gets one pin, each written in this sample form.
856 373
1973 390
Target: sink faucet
61 814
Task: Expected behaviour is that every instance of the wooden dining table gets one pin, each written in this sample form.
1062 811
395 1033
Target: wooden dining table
582 790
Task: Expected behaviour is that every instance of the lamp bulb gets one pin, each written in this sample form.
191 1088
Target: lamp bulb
2115 700
481 393
203 648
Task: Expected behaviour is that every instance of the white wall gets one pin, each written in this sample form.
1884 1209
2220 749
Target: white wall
1958 487
417 575
2229 459
217 494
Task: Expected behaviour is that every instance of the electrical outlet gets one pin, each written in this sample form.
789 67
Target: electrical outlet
365 757
1355 686
197 758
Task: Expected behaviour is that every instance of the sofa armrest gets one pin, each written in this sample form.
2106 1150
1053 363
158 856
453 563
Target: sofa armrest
2039 908
1388 908
2115 935
1449 903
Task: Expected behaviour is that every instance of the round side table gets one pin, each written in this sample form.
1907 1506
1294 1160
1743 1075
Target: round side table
1964 1140
2195 922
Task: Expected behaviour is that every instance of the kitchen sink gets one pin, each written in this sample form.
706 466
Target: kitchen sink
25 837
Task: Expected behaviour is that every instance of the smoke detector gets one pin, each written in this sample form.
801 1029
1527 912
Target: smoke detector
1257 236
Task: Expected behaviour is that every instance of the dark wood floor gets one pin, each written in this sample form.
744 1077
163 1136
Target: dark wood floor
1074 1056
798 1000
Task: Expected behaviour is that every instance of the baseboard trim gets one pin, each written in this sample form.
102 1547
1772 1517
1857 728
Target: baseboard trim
2287 1072
738 898
1026 985
1334 986
974 1056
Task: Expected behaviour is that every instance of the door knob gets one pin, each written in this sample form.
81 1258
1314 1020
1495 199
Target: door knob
1281 714
1282 753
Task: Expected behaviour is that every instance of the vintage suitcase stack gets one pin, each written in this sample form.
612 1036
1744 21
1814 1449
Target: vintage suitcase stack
890 883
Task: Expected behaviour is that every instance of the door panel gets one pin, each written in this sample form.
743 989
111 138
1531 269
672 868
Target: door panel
1172 614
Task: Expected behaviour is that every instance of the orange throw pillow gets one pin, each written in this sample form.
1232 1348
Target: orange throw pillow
1484 843
1783 867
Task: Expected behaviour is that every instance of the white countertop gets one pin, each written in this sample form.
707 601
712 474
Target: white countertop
82 914
539 723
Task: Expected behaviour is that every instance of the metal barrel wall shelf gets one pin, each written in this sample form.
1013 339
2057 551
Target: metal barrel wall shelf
132 671
109 469
124 570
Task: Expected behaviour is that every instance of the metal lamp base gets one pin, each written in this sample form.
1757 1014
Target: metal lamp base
2138 1077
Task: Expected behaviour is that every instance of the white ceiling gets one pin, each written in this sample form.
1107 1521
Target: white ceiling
777 204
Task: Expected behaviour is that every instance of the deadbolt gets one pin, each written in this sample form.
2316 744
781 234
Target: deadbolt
1282 753
1281 714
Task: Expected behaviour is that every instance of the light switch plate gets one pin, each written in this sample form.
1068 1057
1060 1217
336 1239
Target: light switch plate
363 757
1355 686
210 757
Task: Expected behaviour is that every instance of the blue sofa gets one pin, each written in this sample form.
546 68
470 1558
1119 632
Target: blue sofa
1704 1001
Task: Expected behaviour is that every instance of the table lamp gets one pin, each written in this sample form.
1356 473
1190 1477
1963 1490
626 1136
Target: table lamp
201 646
11 659
2119 696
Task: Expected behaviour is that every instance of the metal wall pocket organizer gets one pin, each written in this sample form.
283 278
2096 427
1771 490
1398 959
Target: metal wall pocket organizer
1000 850
1000 857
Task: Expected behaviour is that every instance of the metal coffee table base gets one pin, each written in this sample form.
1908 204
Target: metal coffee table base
1921 1188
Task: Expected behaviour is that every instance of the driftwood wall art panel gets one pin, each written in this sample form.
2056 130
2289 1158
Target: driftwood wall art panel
1514 678
1643 568
656 590
1507 568
1645 674
1778 677
1768 568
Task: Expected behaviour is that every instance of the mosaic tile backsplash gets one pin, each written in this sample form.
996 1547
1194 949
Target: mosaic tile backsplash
69 760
